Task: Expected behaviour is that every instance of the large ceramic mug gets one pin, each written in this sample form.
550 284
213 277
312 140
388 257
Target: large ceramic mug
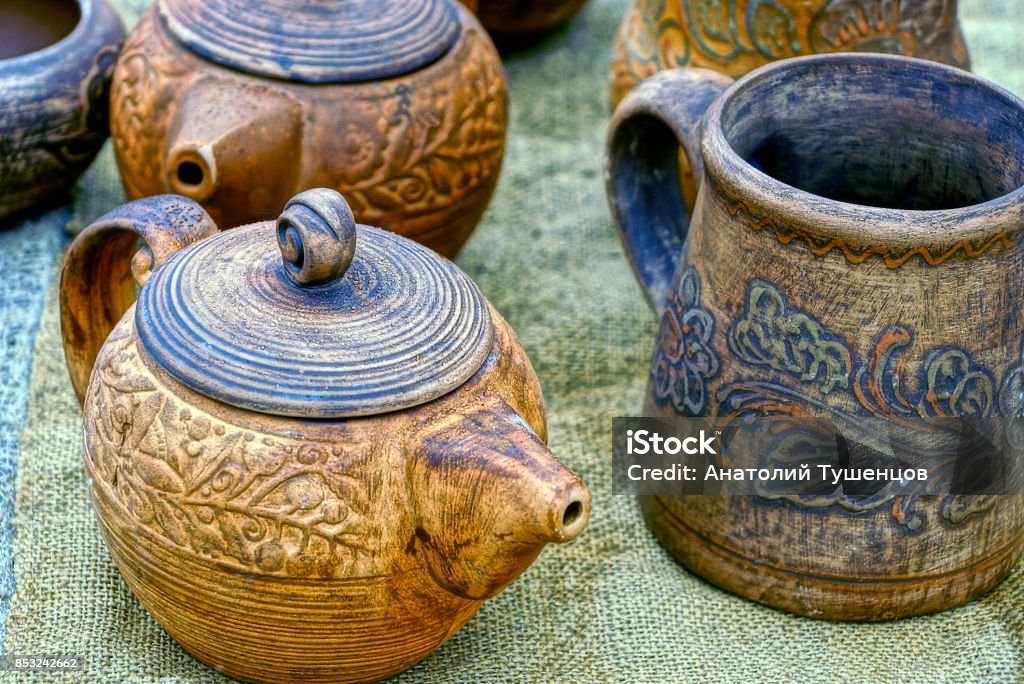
737 36
854 253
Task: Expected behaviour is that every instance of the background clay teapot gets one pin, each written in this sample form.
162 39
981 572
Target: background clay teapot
738 36
852 256
511 21
312 457
398 104
56 59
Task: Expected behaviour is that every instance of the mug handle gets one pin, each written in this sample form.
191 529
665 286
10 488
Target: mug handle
642 169
97 284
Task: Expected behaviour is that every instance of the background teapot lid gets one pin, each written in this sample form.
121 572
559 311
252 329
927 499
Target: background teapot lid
315 317
316 41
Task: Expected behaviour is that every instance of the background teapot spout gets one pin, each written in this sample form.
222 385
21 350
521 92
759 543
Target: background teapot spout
224 133
490 495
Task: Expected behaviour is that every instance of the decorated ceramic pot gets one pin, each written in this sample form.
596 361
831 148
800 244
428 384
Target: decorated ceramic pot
56 59
737 36
398 104
513 20
313 447
852 258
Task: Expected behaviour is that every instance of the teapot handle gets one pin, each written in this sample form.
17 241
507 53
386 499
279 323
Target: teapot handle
96 285
642 169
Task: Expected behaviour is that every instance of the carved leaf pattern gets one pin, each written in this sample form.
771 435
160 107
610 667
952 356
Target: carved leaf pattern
260 502
430 146
142 73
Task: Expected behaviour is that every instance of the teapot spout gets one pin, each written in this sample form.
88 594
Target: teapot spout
561 502
490 496
223 133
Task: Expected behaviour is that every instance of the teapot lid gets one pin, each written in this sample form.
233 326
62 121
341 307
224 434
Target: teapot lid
328 319
316 41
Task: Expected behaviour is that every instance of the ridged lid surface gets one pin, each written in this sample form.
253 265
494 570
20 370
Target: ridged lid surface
316 41
314 317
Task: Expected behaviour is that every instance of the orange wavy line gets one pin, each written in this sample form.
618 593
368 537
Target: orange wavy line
737 207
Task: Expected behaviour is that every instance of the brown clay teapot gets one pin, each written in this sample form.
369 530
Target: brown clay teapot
400 105
313 447
736 37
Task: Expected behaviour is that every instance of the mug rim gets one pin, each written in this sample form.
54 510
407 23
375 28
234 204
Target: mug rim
859 230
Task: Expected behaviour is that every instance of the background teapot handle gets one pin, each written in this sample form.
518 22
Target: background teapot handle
96 285
642 169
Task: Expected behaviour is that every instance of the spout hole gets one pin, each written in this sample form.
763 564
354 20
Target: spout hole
572 513
190 173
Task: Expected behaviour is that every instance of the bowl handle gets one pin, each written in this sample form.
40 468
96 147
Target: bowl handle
642 169
97 284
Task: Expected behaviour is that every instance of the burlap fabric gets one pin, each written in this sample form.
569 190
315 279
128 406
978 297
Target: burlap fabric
610 607
26 258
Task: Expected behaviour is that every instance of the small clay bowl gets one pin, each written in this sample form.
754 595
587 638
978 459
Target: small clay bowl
56 60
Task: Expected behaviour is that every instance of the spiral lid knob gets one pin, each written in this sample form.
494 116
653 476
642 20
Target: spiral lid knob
316 41
317 237
314 316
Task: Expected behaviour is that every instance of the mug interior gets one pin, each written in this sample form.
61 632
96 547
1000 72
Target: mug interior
895 134
27 26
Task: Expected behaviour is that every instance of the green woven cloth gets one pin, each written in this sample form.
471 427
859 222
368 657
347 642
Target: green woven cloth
610 607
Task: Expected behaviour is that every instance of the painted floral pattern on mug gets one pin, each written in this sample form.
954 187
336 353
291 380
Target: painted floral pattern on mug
792 345
771 334
684 361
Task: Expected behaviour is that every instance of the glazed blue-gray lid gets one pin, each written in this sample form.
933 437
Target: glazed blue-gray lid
314 317
315 41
